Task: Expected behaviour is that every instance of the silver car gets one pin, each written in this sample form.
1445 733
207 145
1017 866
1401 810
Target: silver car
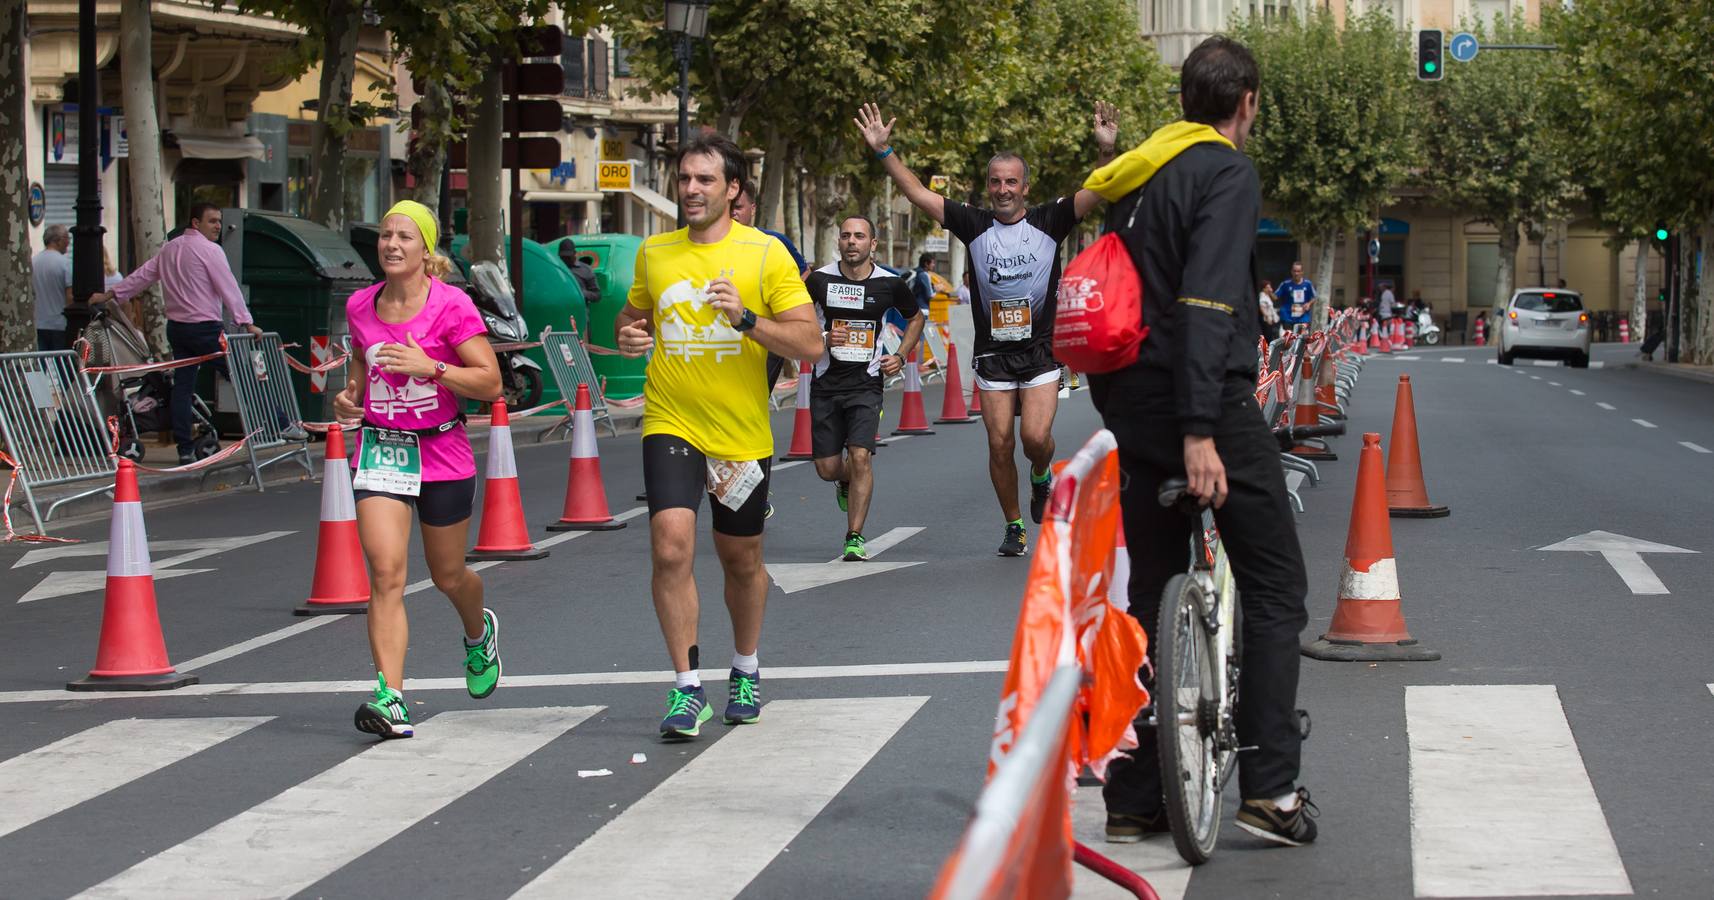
1544 323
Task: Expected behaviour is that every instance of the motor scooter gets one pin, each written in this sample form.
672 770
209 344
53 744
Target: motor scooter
520 376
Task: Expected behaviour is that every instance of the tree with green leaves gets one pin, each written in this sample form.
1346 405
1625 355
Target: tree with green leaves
1639 84
17 303
1335 134
1498 153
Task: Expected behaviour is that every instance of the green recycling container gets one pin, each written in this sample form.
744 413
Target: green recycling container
291 271
614 259
551 298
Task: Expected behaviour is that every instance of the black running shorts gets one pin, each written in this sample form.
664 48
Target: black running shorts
675 476
441 503
843 419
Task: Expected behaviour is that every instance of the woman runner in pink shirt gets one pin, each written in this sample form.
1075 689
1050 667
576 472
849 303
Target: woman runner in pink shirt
417 347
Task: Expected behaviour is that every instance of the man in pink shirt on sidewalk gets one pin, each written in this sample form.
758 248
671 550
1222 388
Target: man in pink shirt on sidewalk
198 282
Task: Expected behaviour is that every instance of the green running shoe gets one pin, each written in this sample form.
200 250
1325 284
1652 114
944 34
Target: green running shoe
385 715
686 711
482 662
842 493
743 698
855 548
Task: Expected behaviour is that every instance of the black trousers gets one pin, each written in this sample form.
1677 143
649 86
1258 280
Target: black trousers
1260 538
188 339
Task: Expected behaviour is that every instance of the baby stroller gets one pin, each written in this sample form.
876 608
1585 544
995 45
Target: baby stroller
142 403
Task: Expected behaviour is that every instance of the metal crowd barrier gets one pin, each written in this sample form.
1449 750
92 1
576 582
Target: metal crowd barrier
267 403
52 427
569 362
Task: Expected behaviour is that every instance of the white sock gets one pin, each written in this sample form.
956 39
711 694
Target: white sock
688 680
1286 802
749 665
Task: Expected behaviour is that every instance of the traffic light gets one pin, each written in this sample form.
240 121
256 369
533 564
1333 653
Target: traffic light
1430 55
1661 232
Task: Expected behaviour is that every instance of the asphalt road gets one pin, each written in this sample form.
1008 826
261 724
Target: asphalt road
1562 747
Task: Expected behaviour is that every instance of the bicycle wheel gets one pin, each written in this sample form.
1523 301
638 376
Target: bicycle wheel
1185 713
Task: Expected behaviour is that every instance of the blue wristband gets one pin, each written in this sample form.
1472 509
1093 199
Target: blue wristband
884 153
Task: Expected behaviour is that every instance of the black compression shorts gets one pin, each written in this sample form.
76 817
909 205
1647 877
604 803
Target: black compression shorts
675 476
441 503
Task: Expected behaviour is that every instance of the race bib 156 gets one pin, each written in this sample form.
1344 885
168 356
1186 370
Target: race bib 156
1010 319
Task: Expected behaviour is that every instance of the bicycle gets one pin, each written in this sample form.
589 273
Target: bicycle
1196 626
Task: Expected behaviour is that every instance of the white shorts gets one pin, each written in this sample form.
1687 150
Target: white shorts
1049 377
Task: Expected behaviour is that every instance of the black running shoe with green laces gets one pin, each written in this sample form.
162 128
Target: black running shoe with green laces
743 697
856 549
687 709
1015 542
1039 492
482 661
1264 819
842 494
386 714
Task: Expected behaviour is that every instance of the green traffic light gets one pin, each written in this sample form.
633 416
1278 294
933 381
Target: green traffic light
1429 67
1661 234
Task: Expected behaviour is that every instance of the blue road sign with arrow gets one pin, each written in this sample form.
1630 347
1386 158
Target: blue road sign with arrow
1464 46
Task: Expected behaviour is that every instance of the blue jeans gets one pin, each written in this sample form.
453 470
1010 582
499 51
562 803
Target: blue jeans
48 339
189 339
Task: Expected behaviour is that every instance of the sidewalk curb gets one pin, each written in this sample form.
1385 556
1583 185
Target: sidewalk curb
1675 370
178 486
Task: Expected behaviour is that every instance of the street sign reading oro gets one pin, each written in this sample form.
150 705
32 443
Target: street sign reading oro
613 176
612 148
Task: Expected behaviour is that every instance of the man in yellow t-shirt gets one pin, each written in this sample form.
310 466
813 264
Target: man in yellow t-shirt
711 300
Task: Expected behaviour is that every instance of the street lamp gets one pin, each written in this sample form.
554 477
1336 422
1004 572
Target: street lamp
687 20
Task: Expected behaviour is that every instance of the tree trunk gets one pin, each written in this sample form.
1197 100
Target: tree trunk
428 154
333 115
1705 300
143 127
1640 297
791 195
1504 274
487 229
774 167
17 305
1329 244
826 206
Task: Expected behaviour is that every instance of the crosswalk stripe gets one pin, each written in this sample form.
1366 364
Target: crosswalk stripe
1607 406
300 836
779 774
1154 859
1689 445
1501 804
1645 423
1452 359
92 762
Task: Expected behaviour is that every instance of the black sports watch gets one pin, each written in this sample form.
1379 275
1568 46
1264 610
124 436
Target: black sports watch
746 321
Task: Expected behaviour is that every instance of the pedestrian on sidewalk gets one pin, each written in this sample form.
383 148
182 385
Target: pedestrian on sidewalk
50 281
418 345
1186 409
198 283
718 296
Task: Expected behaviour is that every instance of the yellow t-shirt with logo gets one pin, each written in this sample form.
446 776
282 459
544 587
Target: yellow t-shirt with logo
706 382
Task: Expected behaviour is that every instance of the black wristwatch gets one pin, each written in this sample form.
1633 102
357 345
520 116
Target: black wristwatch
746 321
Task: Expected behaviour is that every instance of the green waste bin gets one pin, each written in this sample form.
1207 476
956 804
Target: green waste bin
291 271
614 259
551 298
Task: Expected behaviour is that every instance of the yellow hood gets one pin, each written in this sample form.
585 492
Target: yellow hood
1137 165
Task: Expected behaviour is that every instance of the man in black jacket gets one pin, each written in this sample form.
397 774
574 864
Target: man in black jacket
1186 409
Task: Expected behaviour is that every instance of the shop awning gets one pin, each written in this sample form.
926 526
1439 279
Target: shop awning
654 198
562 196
221 147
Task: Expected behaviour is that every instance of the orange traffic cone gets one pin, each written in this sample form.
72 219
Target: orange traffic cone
132 655
1369 622
1308 411
504 534
802 447
1119 588
1407 496
341 583
952 408
912 418
1375 342
585 495
975 399
1400 342
1360 346
1326 394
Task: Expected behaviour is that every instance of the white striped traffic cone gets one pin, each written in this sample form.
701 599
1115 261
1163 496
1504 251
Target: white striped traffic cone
1308 411
913 419
132 655
585 495
341 583
802 446
504 534
1119 589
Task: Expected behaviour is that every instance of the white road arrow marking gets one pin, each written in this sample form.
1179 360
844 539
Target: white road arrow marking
1624 554
794 577
66 583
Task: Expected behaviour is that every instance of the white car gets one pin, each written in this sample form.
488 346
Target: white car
1544 323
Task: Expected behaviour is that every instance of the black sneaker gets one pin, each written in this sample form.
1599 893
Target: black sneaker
1268 822
1014 543
1039 492
186 457
1127 829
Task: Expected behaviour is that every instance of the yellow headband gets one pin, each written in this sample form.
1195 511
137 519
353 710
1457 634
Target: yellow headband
419 214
